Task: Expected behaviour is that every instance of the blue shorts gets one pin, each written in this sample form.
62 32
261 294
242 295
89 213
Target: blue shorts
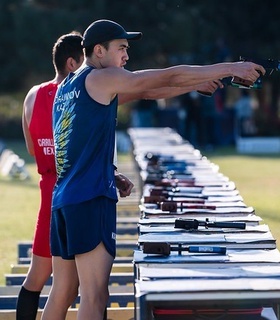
79 228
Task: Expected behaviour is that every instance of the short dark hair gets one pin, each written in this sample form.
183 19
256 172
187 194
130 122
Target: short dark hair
66 46
89 49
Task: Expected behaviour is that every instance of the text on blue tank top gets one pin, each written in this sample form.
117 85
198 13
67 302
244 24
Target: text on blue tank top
84 138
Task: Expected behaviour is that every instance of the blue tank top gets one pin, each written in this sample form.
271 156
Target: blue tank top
84 138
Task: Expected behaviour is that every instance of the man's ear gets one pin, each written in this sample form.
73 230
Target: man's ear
71 64
98 50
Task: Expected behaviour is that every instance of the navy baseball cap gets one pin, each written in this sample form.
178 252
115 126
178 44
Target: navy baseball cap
106 30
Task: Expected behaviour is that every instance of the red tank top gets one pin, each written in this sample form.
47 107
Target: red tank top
40 128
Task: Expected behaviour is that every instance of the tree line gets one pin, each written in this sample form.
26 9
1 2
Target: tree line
175 31
184 31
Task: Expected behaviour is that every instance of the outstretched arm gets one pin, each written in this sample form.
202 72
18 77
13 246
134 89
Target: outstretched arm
103 84
170 92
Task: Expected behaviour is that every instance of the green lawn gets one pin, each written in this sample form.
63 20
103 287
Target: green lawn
19 202
258 180
256 177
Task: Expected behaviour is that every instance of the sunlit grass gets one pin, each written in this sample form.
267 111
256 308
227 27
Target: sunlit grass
18 210
258 180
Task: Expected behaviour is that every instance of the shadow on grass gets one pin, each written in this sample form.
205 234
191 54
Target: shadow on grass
229 151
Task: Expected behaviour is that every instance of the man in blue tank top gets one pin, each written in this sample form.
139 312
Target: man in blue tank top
83 224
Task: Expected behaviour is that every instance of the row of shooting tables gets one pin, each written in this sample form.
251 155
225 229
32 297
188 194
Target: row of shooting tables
202 252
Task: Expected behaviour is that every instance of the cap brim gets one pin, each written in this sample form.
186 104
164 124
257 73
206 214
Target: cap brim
133 35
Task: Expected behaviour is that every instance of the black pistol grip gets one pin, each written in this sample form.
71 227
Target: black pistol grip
162 248
188 224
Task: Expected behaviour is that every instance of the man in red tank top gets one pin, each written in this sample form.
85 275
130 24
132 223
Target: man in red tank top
37 128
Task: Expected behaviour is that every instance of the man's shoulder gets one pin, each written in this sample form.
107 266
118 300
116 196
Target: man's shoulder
42 86
105 76
31 95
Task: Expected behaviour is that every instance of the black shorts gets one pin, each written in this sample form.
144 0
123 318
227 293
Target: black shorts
79 228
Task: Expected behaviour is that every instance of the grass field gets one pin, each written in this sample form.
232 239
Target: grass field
256 177
19 201
258 180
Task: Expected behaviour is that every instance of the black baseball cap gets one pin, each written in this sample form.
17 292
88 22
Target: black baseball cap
105 30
